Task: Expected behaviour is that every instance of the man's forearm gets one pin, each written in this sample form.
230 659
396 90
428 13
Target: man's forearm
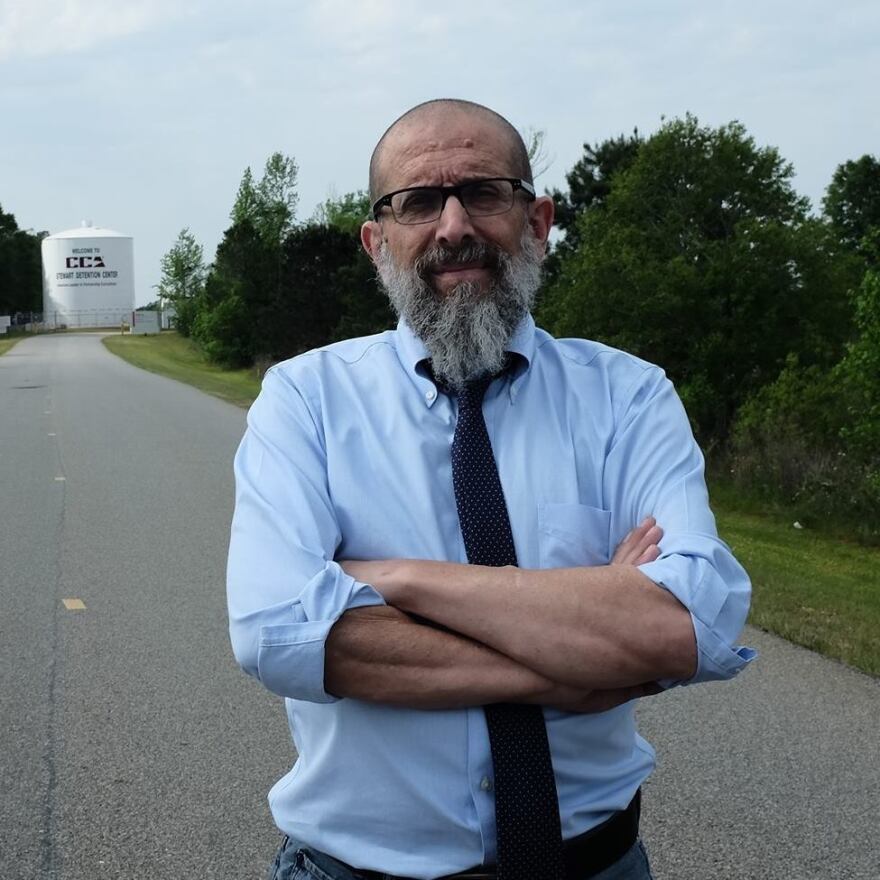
589 628
380 654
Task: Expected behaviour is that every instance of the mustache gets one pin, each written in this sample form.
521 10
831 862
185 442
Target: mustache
439 255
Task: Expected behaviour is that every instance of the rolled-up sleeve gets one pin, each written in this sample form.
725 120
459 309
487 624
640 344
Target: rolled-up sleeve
284 589
656 469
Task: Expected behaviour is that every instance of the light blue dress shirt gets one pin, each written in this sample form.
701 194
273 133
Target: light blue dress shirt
347 456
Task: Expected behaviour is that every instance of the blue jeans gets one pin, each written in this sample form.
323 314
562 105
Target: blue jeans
295 861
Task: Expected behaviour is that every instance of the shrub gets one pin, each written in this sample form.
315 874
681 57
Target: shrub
791 443
224 332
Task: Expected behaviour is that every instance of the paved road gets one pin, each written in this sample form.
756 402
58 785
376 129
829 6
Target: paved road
132 747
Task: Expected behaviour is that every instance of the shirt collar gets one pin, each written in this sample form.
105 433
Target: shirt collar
412 353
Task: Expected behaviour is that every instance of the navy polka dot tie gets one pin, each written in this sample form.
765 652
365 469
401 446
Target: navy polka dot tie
526 802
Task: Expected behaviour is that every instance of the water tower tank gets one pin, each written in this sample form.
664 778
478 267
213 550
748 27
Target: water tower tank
88 278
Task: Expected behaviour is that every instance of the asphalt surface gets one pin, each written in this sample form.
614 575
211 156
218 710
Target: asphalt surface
131 746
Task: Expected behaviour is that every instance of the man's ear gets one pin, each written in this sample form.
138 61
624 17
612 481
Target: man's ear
541 213
371 238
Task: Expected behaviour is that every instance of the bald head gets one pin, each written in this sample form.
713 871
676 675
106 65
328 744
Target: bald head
439 110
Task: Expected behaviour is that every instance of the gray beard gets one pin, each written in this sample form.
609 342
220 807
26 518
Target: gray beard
467 330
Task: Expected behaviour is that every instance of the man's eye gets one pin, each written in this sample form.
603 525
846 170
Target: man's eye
485 194
416 203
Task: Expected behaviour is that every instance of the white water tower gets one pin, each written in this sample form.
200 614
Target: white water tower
88 278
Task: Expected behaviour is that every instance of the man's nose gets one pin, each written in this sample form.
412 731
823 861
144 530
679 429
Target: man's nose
454 225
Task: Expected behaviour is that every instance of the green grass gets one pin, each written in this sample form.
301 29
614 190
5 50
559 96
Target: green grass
6 344
171 355
817 590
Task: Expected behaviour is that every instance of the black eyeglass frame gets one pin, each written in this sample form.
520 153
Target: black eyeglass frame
518 184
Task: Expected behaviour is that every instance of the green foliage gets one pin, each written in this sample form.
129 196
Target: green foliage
310 308
859 373
852 200
346 214
237 296
186 312
224 332
704 260
591 178
364 306
183 279
270 204
265 302
812 437
589 185
330 293
243 294
277 198
21 268
246 205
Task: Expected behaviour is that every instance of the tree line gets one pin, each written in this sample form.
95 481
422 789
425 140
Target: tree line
21 273
689 248
275 287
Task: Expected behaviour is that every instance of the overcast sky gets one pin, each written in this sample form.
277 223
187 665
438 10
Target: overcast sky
142 116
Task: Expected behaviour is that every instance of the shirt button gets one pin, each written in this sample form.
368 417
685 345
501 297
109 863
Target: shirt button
430 395
486 783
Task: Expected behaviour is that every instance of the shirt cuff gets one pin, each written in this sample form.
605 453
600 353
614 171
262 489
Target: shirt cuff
716 661
718 606
291 655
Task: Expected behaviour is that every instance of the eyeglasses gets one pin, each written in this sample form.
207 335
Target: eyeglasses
480 198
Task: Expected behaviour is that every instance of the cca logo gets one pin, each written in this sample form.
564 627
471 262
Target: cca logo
85 263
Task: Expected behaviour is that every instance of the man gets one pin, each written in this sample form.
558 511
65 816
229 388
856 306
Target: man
388 487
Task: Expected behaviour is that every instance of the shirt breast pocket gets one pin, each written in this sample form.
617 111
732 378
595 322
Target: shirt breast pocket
573 535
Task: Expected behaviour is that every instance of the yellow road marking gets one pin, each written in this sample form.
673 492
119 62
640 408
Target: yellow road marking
74 604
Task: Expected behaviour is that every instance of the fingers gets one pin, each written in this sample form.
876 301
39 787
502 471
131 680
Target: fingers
640 545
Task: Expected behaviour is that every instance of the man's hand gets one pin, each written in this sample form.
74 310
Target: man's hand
385 575
640 545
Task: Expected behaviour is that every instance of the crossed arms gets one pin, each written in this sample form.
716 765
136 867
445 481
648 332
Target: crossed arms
585 638
580 639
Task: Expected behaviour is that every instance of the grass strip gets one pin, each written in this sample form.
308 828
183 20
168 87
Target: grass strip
6 344
816 590
169 354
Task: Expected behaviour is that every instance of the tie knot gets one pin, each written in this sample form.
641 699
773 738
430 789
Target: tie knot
471 396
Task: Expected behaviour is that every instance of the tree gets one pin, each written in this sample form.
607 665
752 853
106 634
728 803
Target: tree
21 268
269 205
246 200
859 370
237 316
347 213
312 302
589 185
812 437
591 178
704 260
363 306
276 198
852 200
238 296
183 278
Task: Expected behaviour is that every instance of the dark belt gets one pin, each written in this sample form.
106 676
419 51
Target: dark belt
585 855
